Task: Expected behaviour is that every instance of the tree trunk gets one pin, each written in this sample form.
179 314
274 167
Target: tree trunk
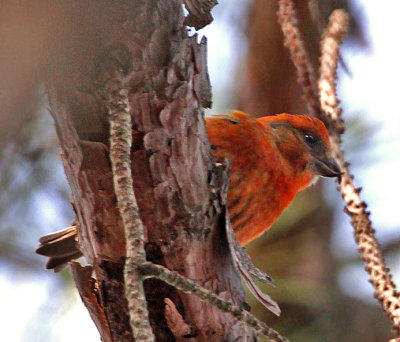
175 176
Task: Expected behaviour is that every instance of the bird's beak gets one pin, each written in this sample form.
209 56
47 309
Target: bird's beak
326 167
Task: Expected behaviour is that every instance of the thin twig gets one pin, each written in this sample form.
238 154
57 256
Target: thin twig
188 286
116 99
320 23
331 41
385 290
305 73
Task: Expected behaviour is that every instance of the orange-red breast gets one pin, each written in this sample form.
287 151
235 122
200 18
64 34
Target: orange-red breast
272 157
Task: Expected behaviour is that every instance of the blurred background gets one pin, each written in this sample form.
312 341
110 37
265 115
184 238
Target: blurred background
310 253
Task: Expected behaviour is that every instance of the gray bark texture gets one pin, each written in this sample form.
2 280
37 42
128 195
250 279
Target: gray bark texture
174 173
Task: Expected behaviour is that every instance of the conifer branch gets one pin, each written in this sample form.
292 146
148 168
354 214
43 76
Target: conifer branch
330 44
381 279
186 285
330 113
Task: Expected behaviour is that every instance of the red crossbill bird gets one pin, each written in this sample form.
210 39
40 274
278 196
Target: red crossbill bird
272 158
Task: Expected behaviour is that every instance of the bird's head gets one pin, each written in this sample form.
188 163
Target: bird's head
304 142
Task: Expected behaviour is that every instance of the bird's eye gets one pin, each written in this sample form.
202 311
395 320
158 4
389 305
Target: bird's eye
310 139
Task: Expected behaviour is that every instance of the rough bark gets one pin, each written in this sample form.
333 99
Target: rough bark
172 163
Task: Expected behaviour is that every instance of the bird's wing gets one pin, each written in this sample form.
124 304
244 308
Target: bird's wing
239 137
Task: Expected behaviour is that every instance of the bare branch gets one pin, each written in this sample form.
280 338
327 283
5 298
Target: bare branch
331 40
120 149
188 286
385 290
293 41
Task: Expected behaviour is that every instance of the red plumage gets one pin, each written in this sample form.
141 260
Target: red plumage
273 158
